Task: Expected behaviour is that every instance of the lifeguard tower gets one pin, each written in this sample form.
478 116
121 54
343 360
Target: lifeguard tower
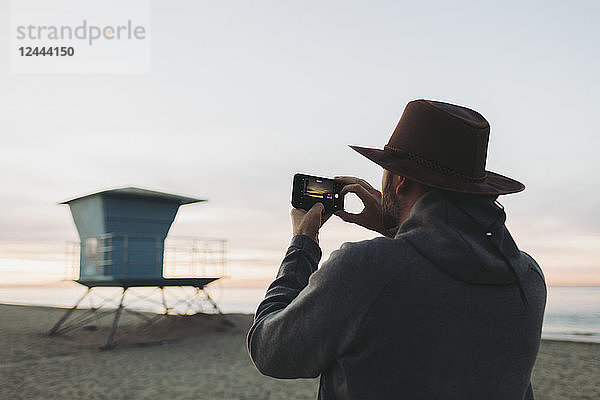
122 244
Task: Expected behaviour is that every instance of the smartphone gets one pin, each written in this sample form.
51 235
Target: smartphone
307 190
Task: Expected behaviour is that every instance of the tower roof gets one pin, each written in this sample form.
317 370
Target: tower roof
139 192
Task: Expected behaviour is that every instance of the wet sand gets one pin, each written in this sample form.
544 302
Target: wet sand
199 357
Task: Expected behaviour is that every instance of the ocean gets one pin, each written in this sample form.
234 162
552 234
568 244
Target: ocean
572 312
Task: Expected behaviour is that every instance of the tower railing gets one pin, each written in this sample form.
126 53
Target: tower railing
182 256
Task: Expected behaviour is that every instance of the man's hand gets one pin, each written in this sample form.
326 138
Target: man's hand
308 222
371 217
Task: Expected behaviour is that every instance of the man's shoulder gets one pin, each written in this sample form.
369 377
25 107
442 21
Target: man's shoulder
365 267
377 245
381 254
534 265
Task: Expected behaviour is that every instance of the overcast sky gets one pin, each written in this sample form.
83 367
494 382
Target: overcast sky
243 94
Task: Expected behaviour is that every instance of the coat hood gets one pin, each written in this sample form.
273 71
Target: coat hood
465 236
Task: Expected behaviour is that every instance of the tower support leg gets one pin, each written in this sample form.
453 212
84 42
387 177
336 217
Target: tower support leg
211 301
61 321
216 307
109 340
164 300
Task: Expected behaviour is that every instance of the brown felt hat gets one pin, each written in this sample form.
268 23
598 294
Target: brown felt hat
444 146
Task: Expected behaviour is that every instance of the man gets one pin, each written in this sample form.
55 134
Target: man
444 306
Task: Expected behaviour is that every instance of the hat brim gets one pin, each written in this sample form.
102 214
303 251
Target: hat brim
493 184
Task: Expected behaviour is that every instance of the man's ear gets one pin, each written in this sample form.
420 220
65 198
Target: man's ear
399 184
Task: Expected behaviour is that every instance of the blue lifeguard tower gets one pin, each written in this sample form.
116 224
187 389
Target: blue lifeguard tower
122 242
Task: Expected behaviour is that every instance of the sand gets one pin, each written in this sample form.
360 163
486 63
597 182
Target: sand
199 357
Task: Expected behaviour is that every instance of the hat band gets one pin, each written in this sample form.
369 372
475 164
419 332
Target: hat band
432 165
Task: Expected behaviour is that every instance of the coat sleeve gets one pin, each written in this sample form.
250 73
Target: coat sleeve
310 317
529 393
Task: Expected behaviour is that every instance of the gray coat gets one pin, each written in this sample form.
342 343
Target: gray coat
449 308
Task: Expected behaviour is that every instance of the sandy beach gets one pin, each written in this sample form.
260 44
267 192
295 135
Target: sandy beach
198 357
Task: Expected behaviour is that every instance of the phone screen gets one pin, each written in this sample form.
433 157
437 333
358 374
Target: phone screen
309 190
319 188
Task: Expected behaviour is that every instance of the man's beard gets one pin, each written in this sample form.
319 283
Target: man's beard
391 207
